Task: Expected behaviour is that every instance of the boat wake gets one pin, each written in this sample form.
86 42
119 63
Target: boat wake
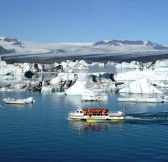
148 118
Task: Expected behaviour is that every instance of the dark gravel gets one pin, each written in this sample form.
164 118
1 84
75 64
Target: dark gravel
48 58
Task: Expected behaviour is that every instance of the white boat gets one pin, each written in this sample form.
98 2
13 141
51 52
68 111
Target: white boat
18 101
94 97
95 115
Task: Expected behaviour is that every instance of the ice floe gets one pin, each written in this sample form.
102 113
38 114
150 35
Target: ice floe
137 74
131 65
18 101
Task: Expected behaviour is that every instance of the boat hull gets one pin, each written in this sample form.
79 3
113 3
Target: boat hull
97 119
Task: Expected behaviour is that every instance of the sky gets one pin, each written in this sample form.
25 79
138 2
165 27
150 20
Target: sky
84 20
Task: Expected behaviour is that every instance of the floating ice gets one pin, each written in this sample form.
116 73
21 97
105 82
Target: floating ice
131 65
19 101
140 86
136 75
78 88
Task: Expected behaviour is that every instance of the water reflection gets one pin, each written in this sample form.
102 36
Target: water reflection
141 107
87 127
84 127
74 101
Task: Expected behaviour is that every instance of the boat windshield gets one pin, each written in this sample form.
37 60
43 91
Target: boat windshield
79 111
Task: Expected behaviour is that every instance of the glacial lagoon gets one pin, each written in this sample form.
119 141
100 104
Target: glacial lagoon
41 131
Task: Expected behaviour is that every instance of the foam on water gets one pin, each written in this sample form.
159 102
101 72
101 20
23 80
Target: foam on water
148 118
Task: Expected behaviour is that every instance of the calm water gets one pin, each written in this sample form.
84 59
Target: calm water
41 131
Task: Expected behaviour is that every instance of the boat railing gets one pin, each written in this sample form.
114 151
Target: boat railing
96 114
119 113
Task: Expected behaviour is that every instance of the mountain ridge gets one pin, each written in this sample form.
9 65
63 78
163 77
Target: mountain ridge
116 42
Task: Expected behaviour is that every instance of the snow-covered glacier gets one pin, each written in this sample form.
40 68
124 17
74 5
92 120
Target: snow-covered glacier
113 50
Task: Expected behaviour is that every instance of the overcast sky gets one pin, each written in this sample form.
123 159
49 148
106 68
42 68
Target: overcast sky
84 20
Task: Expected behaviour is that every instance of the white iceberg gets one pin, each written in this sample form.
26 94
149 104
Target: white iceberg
136 75
140 86
161 65
55 81
18 101
74 65
77 89
131 65
50 88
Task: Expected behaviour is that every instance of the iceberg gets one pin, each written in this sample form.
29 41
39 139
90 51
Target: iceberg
55 81
18 101
136 75
13 79
77 89
131 65
161 66
140 86
74 65
50 88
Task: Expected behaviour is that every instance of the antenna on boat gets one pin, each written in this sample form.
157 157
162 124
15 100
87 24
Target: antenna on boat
124 109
